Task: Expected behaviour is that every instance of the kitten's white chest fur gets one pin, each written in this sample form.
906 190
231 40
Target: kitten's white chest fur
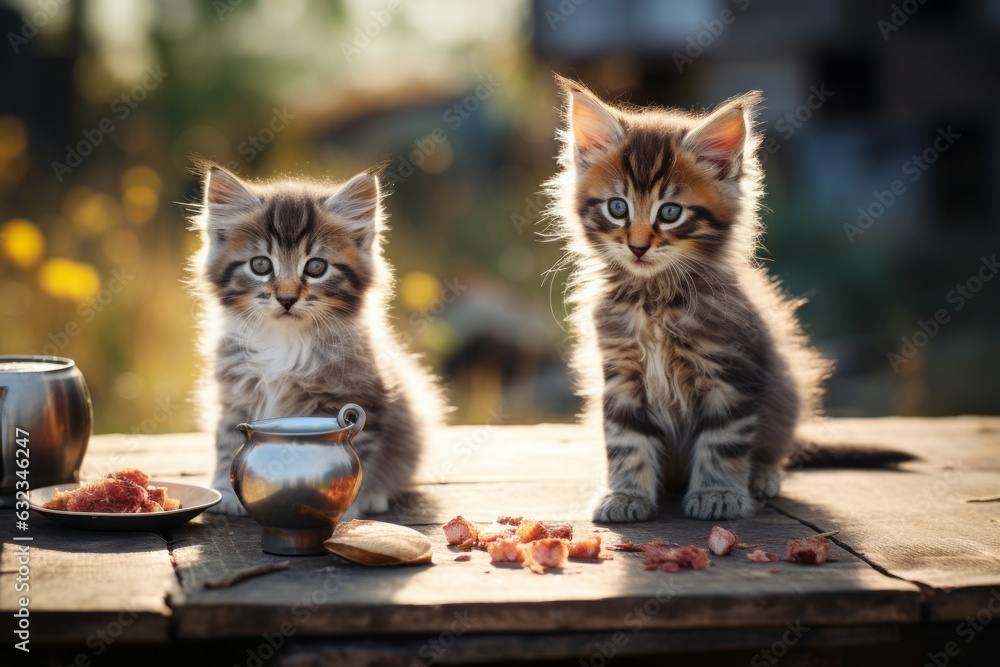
280 361
675 369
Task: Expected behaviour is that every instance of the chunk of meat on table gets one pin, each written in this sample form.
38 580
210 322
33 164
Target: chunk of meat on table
589 547
813 550
721 540
505 551
672 559
459 531
529 531
541 555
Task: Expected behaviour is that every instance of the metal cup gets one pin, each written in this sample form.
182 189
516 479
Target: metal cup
45 410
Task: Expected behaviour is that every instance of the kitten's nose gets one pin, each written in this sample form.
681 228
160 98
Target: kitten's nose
287 301
637 250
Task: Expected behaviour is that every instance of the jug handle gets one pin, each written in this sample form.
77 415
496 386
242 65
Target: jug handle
354 416
245 430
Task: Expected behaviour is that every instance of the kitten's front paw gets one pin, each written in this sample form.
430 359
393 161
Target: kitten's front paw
618 507
366 505
765 484
718 504
230 505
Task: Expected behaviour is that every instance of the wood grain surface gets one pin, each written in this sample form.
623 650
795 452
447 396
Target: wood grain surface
911 549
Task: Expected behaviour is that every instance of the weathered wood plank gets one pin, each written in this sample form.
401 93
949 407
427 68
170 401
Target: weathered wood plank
488 453
914 525
459 648
327 596
91 588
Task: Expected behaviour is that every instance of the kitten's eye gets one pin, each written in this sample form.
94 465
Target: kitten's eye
617 208
315 267
669 213
260 265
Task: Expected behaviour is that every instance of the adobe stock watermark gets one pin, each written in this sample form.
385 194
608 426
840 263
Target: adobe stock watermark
454 116
46 10
255 143
302 611
534 209
793 121
432 650
162 411
377 21
900 14
957 297
223 7
561 13
713 28
967 630
121 108
88 312
827 432
470 445
915 167
636 620
465 447
930 497
420 320
773 653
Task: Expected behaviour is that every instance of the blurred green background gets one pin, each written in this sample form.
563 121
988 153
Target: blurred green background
103 103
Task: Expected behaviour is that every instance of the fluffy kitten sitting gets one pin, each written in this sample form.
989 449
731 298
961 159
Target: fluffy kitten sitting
703 372
294 285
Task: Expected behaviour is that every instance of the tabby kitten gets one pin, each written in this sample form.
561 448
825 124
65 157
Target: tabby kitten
294 285
703 372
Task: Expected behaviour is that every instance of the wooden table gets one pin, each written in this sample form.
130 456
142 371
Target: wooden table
915 559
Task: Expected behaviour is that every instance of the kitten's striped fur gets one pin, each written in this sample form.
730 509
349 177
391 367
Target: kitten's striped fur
287 343
687 348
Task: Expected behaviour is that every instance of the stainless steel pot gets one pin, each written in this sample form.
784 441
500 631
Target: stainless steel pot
297 476
44 404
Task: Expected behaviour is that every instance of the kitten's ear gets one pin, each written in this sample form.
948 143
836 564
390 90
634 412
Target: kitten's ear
224 190
356 204
593 127
721 139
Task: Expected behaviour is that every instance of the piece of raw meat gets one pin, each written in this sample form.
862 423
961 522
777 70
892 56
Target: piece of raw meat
121 492
813 550
529 531
546 553
460 530
721 540
589 547
672 559
505 551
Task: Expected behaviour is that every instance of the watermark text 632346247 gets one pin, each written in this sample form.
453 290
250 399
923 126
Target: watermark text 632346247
22 551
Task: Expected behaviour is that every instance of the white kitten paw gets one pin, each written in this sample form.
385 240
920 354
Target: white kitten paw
718 504
765 484
619 507
377 504
366 505
230 505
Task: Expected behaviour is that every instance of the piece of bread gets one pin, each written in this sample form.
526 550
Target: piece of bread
379 543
